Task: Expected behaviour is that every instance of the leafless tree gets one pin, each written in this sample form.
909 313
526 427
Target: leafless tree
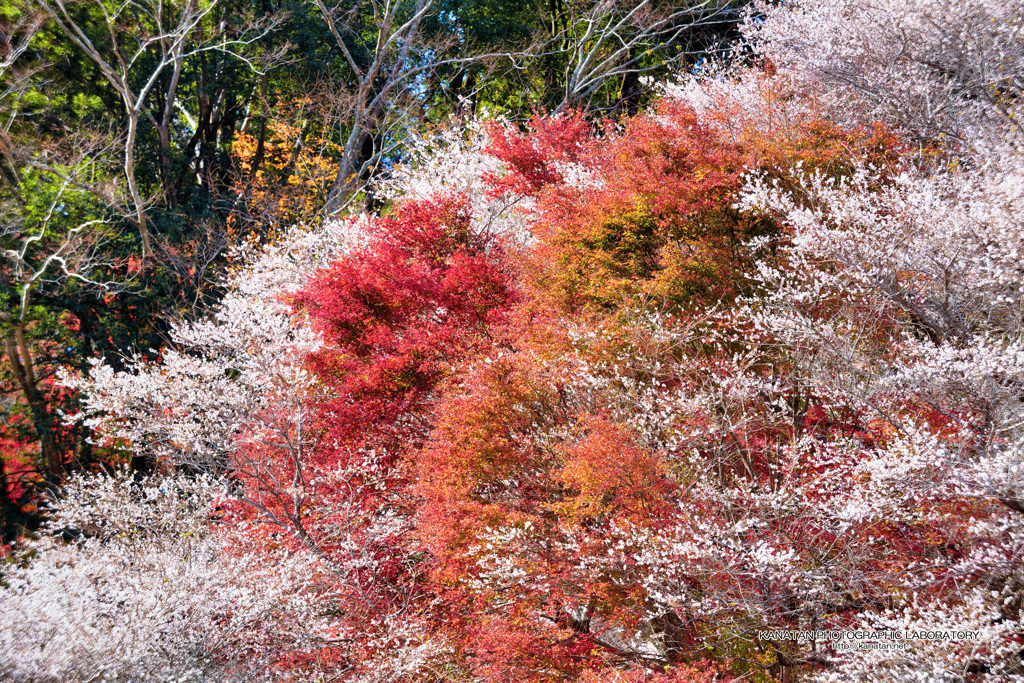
376 79
615 39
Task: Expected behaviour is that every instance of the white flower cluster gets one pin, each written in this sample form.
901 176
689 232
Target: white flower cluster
215 385
158 587
896 309
147 590
929 67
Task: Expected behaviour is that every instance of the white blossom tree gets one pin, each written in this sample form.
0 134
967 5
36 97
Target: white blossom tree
932 68
150 587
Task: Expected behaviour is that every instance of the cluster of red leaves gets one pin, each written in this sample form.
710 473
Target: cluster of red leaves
643 213
638 217
23 476
19 478
646 209
700 672
400 313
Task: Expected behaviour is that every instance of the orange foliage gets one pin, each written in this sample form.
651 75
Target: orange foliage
287 182
701 672
648 211
527 481
606 474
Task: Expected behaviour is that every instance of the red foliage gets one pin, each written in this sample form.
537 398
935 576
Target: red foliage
529 484
18 479
646 210
535 158
399 314
699 672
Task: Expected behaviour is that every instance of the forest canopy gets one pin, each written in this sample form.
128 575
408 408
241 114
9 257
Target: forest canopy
662 342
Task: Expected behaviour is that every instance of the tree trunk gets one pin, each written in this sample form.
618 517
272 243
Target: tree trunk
346 182
133 188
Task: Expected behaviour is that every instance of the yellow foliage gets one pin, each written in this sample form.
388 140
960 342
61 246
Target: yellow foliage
287 183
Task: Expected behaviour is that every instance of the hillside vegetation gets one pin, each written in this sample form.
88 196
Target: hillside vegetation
723 385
